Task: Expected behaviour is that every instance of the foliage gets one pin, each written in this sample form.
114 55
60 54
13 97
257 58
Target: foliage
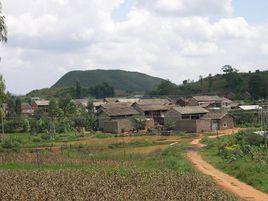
3 28
120 80
78 90
102 90
242 85
244 155
11 144
18 106
169 124
139 123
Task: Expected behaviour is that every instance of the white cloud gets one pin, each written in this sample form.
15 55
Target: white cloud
175 39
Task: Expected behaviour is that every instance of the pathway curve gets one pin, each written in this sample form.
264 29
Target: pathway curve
224 180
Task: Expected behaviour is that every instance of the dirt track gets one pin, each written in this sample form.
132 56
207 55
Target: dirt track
225 181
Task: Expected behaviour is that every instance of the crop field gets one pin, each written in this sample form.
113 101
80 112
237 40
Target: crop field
105 168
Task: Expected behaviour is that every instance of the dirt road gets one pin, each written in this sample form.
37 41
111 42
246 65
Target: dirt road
225 181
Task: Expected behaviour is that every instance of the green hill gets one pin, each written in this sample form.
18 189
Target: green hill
231 84
119 79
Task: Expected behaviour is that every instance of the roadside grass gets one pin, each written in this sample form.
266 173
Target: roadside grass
243 168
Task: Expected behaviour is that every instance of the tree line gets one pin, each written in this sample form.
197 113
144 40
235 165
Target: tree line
248 86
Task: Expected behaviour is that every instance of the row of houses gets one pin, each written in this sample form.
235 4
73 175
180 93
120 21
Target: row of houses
194 114
200 114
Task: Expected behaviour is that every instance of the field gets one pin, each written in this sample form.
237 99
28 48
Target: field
244 155
102 167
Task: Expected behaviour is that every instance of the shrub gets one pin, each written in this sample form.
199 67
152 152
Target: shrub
46 136
37 139
11 144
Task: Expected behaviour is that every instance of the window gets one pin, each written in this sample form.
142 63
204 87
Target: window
225 125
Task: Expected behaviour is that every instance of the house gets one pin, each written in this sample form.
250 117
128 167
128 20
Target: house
219 120
210 102
188 112
110 100
155 101
128 100
182 101
26 109
188 119
113 105
116 119
154 109
81 103
250 107
40 104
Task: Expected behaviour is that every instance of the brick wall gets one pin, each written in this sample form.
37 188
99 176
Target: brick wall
227 122
186 125
203 125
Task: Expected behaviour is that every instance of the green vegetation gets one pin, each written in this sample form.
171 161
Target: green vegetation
244 155
99 84
232 83
149 162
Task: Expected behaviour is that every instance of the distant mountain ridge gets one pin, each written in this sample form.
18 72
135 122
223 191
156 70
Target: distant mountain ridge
119 79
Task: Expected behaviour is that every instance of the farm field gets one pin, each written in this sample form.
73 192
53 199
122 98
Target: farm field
104 168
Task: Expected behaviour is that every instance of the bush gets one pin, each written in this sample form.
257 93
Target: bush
37 139
46 136
11 144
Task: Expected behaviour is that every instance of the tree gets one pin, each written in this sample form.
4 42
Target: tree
3 28
139 123
78 90
11 105
67 105
53 111
103 90
210 83
53 108
2 100
90 107
233 79
18 106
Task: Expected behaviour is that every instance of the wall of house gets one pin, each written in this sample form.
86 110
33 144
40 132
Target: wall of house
203 125
117 126
102 118
186 126
125 125
110 126
228 120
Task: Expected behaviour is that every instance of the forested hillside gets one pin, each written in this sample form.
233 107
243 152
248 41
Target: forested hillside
120 80
231 83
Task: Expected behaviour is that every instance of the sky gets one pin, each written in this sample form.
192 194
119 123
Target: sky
171 39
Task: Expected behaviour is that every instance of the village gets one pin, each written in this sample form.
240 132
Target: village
155 115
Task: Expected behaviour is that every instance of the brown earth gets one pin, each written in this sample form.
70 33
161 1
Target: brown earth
225 181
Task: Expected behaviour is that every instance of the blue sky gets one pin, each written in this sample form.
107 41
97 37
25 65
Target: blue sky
171 39
254 11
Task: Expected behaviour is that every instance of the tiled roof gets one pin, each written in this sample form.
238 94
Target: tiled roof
215 115
190 110
120 111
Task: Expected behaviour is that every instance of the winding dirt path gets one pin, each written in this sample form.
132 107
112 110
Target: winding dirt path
225 181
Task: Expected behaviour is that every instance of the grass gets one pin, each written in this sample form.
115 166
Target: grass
243 168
